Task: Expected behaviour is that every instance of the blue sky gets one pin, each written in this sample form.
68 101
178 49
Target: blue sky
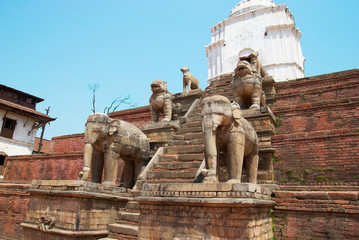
55 49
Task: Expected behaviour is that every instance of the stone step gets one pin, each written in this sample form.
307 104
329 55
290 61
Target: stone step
194 117
199 141
178 165
188 174
183 149
191 157
192 124
170 181
108 238
168 158
178 142
186 142
132 205
189 130
129 217
123 229
178 137
191 136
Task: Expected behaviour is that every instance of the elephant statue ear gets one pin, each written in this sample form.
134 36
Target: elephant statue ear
113 127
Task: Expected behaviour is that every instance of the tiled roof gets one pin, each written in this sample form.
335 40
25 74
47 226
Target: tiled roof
25 111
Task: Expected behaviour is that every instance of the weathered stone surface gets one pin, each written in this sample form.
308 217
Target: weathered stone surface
204 218
172 174
160 132
227 132
123 229
32 233
191 157
189 81
178 165
129 216
247 82
106 142
82 214
160 101
183 149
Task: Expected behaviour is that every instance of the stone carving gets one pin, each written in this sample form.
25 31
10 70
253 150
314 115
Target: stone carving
106 142
160 101
226 131
46 223
247 82
189 81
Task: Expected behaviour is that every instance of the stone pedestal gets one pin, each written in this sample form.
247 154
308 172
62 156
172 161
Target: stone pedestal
71 210
160 133
186 99
263 121
205 211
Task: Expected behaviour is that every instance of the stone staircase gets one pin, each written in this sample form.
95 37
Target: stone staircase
182 157
126 226
179 163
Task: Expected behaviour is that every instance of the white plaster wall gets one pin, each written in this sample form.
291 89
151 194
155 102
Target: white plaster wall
270 31
22 142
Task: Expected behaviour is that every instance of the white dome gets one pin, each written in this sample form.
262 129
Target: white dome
250 5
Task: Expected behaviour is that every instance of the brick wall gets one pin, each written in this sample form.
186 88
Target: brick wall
13 206
60 166
57 166
177 221
318 130
137 116
68 143
316 214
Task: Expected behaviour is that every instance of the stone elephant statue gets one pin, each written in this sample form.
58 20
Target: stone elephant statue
226 131
106 142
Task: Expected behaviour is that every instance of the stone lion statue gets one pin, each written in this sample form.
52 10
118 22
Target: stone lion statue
160 101
189 81
247 82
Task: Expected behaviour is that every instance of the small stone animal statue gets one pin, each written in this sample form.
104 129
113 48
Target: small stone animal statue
160 101
247 82
46 223
189 81
107 141
226 131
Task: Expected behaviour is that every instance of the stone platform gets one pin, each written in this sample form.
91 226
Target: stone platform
71 210
205 211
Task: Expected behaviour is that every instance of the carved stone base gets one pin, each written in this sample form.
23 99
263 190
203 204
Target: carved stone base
160 133
263 121
71 210
205 211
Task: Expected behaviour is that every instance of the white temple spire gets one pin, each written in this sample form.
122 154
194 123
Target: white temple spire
257 25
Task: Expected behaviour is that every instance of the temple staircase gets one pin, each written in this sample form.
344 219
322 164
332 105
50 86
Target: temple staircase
126 226
184 154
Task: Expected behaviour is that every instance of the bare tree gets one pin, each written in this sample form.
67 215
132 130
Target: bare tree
117 102
93 87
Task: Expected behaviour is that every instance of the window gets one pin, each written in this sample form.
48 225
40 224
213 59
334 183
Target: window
2 162
8 128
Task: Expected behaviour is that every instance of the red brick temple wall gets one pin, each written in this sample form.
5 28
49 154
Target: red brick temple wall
317 157
318 130
316 161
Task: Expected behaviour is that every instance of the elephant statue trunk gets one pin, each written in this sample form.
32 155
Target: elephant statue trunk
226 131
